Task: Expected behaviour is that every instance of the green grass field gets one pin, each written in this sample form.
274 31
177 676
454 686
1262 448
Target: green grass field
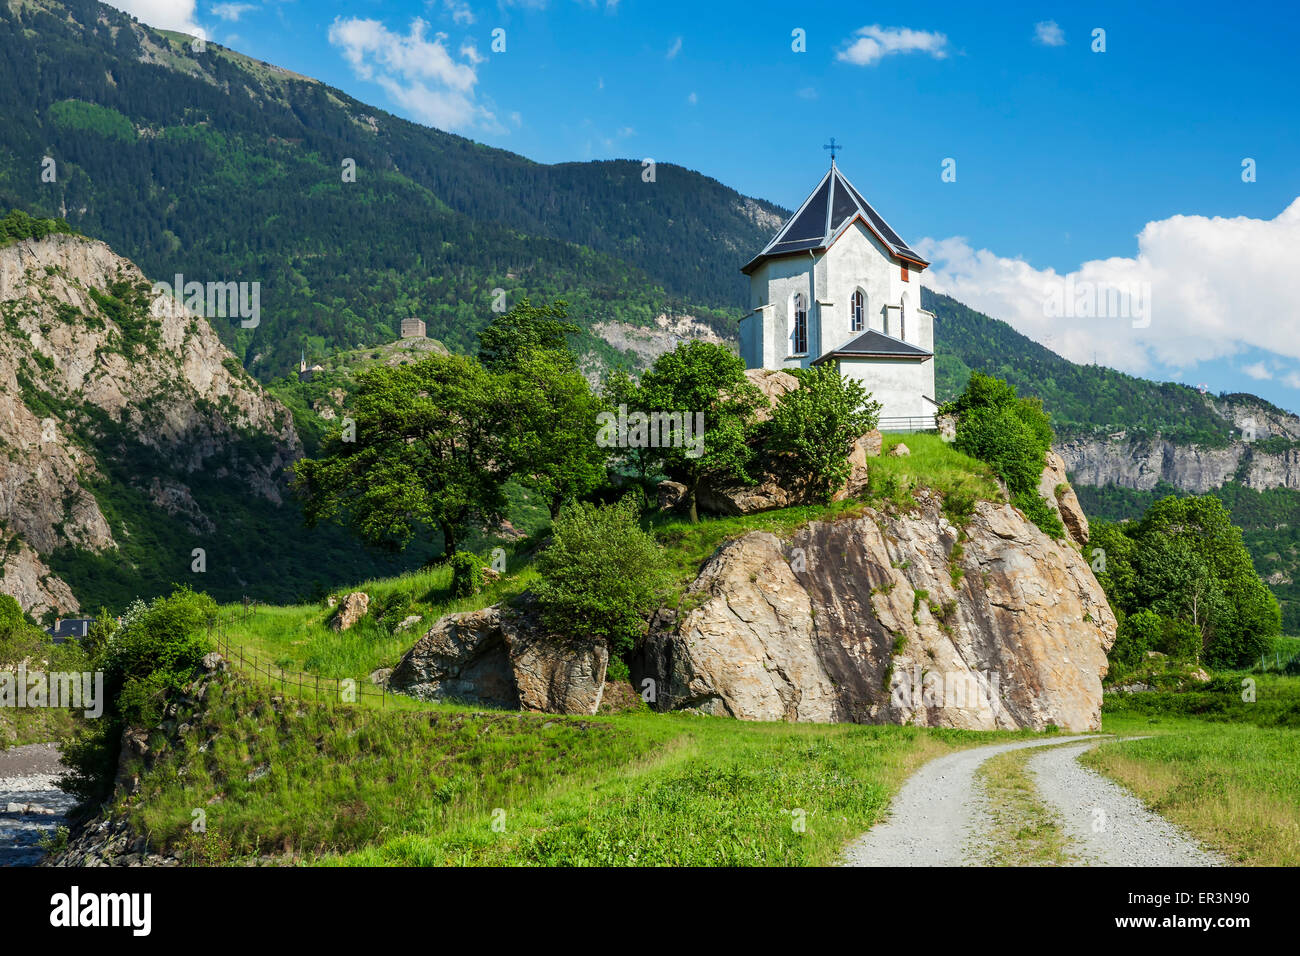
1226 769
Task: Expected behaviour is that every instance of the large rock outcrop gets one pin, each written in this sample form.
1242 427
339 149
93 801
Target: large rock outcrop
93 364
500 657
877 619
1054 488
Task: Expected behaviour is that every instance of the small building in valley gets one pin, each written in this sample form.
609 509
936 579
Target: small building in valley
413 328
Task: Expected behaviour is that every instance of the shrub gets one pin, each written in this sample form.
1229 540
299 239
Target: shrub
154 651
602 574
1137 634
466 574
1013 435
819 422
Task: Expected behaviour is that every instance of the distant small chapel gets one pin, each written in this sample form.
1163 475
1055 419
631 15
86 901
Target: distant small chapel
837 284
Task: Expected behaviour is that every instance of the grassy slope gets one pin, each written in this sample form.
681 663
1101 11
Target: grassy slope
445 785
423 783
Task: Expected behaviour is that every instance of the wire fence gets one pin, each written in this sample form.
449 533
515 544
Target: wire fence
340 690
1277 661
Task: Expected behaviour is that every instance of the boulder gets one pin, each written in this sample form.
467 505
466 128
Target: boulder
947 427
870 444
1063 501
500 657
351 609
773 384
868 626
671 494
900 451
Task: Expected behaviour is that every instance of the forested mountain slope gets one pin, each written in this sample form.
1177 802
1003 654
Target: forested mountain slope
223 168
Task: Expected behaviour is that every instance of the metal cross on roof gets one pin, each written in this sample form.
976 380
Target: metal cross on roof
833 147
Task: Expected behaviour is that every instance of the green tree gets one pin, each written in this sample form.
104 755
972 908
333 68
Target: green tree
555 446
819 422
703 378
620 390
1185 561
602 574
433 445
523 330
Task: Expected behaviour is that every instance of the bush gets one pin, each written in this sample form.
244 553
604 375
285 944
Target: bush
154 651
1013 435
466 574
819 422
1137 634
601 576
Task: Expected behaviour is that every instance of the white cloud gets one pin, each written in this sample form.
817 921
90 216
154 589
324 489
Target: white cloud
231 11
163 14
693 98
419 73
807 93
675 48
1212 288
875 42
1048 33
460 12
1258 371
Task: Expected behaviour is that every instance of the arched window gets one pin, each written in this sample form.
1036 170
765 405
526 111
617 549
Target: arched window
799 326
858 312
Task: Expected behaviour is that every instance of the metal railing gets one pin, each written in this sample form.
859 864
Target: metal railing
905 423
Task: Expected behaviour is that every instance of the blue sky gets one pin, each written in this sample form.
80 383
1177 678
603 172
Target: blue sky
1063 155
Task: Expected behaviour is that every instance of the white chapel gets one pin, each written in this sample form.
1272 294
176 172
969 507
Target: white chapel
837 284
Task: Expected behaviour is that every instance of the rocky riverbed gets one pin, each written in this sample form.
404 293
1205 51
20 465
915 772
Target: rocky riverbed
31 805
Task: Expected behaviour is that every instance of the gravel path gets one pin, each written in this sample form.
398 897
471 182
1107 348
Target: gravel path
1107 825
936 814
30 803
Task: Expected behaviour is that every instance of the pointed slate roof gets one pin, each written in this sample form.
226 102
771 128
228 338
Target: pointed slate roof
873 344
824 216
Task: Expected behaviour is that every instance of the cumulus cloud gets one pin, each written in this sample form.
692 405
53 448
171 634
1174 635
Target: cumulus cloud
419 73
1258 371
163 14
459 10
1198 289
875 42
1048 33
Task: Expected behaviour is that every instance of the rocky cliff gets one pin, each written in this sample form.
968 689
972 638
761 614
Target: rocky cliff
1258 455
94 373
886 618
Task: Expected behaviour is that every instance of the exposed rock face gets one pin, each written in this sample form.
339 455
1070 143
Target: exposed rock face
352 609
773 384
859 620
650 342
1065 502
781 486
158 377
25 578
499 657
